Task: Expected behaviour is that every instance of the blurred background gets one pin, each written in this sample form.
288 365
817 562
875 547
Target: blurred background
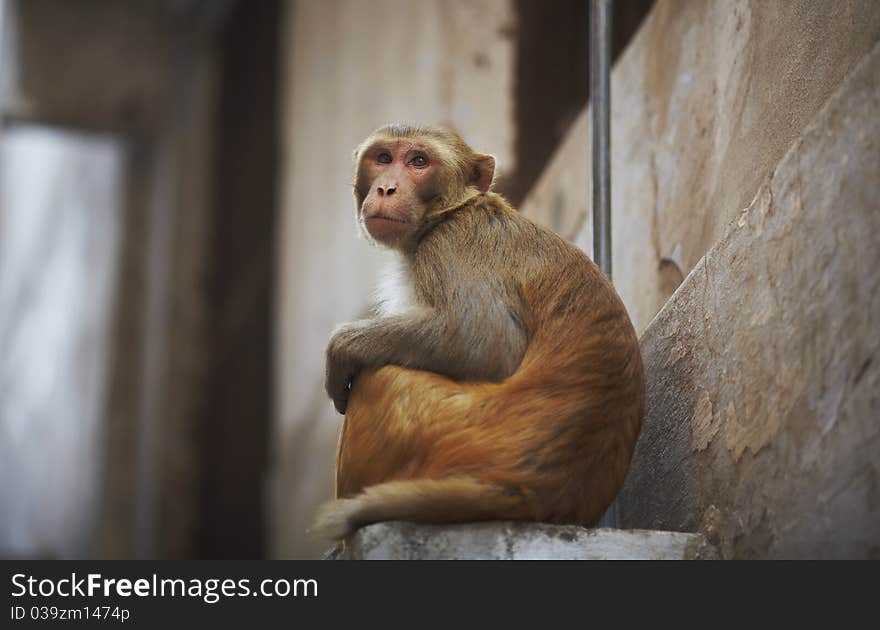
177 242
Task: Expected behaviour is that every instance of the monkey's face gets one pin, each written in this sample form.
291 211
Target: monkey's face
408 175
397 179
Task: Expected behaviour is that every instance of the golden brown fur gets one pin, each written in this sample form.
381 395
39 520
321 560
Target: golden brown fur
551 441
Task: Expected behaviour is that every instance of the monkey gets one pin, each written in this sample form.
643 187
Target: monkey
501 378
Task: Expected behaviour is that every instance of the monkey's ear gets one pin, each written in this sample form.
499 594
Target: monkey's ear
484 171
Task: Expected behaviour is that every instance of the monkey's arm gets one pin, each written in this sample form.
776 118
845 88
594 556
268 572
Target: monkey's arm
482 340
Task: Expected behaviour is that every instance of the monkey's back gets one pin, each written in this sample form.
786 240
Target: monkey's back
565 301
560 431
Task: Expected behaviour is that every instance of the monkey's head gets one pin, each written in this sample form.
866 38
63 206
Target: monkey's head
407 177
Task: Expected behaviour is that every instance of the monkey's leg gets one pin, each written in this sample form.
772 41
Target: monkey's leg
453 499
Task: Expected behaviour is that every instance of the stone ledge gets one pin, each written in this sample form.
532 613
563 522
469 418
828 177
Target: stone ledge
520 541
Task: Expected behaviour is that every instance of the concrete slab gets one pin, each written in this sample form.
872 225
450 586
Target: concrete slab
520 541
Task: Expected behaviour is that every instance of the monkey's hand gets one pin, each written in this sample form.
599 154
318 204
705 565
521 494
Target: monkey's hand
341 365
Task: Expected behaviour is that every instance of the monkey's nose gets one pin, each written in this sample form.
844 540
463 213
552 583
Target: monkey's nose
386 190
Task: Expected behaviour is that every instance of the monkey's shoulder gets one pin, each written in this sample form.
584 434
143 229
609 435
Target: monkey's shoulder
496 216
487 237
490 215
487 232
490 208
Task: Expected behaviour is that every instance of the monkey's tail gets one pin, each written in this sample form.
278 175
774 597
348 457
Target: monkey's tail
421 500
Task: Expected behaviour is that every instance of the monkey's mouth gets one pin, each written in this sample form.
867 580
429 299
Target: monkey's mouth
385 228
384 217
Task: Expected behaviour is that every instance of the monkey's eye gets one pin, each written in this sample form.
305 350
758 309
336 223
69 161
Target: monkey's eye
384 158
419 161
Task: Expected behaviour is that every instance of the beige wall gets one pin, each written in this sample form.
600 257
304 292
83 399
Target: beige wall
705 101
350 67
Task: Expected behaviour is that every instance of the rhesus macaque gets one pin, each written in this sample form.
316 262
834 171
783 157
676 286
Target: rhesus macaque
501 378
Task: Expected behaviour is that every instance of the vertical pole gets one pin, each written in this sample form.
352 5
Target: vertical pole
600 100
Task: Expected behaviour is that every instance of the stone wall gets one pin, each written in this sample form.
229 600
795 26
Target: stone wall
745 176
705 102
763 421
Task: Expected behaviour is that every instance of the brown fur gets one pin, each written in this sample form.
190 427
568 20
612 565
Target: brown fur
535 394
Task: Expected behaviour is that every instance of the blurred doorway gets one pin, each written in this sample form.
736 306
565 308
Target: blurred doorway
137 210
60 198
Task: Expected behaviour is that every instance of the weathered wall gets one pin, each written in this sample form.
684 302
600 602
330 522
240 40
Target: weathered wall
705 102
551 84
350 67
763 423
745 154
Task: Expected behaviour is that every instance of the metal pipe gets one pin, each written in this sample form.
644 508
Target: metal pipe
600 99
